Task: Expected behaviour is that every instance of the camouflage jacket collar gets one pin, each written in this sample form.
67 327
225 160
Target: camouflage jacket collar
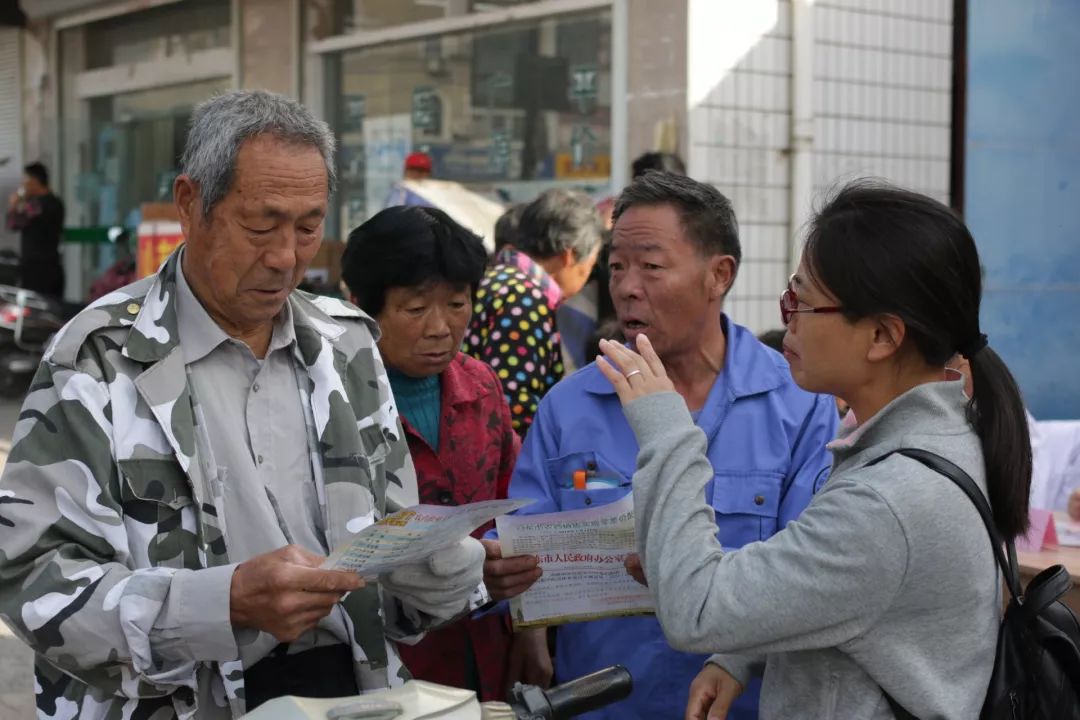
154 333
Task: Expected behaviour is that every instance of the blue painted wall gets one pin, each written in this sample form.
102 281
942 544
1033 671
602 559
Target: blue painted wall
1023 190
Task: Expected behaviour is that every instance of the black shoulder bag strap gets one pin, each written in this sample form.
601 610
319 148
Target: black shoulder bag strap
1009 565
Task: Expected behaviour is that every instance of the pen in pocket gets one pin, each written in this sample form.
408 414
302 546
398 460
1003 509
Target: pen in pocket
592 480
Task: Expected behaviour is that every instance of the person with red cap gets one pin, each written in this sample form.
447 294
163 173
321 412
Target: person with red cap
417 166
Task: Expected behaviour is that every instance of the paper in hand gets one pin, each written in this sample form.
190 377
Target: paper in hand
413 534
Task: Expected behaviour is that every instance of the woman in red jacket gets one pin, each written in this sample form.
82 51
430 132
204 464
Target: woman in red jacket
414 270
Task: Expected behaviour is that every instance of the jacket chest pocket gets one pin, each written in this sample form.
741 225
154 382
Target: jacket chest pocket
747 505
604 481
159 511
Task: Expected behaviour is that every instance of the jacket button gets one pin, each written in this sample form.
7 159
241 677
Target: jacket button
588 501
445 497
759 500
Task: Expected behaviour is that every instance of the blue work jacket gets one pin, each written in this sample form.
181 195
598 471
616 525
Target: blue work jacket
767 445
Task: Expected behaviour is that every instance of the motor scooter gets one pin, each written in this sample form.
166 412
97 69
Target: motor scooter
417 700
28 322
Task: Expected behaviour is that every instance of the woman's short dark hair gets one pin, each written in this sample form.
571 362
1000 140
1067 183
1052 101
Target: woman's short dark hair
408 246
880 250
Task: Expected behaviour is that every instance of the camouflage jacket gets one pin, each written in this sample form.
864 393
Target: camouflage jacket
105 497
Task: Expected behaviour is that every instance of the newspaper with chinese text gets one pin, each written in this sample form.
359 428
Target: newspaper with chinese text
581 553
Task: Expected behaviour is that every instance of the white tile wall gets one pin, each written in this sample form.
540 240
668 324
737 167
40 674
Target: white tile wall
882 82
763 243
882 92
743 129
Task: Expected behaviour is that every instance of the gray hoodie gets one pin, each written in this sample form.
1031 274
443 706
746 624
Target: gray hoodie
886 581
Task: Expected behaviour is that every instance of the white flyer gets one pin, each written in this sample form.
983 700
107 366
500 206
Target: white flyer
412 534
581 553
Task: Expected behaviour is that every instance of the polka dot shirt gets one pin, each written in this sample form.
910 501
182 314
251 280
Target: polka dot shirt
513 330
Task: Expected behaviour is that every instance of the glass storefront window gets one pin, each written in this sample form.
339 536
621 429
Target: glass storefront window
341 17
121 149
159 33
508 111
134 149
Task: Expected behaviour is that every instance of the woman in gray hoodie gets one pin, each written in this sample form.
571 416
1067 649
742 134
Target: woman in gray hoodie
886 584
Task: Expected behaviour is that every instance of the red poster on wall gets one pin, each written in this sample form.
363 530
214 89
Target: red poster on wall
157 240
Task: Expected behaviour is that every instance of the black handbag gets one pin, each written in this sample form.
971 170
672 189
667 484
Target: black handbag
1036 672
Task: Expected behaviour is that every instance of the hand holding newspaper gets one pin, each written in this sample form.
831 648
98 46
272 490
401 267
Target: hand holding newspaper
581 553
412 534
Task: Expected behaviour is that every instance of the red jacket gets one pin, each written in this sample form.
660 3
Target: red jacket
477 450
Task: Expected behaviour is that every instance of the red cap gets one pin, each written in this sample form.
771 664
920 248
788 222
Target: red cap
418 161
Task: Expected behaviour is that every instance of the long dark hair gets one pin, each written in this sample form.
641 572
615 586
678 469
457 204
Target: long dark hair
882 250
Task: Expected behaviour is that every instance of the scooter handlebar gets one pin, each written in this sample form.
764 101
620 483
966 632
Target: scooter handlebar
590 692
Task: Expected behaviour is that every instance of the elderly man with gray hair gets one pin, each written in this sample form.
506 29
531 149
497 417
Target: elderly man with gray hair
195 444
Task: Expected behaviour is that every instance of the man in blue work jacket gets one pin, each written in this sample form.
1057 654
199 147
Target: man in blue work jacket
674 255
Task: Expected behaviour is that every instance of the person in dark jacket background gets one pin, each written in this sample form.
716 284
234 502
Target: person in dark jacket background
38 215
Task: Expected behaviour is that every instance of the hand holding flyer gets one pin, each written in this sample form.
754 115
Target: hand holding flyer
581 553
412 534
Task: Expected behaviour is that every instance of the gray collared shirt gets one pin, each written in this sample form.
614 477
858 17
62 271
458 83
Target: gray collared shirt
257 438
256 431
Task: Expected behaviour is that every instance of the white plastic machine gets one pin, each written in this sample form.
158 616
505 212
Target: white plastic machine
418 700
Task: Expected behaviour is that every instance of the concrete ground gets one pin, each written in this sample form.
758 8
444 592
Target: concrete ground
16 660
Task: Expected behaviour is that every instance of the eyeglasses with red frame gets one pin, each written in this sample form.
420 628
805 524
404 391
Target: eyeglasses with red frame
789 305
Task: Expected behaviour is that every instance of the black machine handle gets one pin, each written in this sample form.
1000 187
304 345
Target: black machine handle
573 698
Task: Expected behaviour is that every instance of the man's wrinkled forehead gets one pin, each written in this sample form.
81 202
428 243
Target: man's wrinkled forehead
279 187
656 227
639 237
636 245
278 211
